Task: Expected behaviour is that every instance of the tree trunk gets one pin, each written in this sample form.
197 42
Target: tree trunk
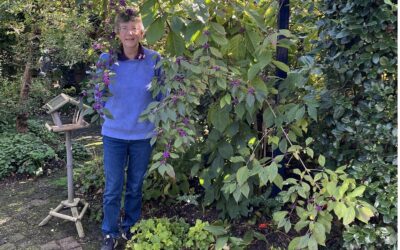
22 116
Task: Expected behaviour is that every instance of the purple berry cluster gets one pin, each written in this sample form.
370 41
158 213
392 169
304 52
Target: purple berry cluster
235 83
106 78
216 68
186 121
179 78
98 103
181 132
251 90
235 101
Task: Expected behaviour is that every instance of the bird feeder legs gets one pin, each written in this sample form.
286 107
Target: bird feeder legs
72 202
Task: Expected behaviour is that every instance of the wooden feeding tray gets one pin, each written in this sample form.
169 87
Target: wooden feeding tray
66 127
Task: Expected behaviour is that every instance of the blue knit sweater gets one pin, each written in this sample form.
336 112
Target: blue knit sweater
130 96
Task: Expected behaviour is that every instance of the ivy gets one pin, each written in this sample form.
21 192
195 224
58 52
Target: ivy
358 126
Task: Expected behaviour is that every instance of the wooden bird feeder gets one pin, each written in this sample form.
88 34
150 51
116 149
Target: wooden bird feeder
78 122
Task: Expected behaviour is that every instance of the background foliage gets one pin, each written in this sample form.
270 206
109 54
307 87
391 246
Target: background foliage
358 54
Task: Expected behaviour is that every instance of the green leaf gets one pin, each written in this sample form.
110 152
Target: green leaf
281 65
250 100
263 175
375 58
310 152
221 242
300 113
220 118
218 28
195 69
175 44
272 171
253 71
278 181
357 192
283 145
252 141
278 158
384 61
221 82
228 98
268 118
235 47
219 39
340 209
274 140
312 112
349 216
258 19
237 194
321 160
155 31
319 233
225 150
300 225
236 159
293 245
278 216
193 31
287 226
331 187
242 175
215 230
364 214
312 244
245 189
216 52
178 142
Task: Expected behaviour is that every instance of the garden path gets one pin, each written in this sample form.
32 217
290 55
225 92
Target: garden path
26 202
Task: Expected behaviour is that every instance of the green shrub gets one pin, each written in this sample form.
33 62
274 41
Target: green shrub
23 153
79 151
8 103
164 233
38 128
89 179
358 107
90 176
156 234
198 237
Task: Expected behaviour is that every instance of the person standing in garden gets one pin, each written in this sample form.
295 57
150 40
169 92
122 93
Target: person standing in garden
126 140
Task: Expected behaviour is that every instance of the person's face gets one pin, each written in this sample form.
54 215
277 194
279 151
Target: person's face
130 33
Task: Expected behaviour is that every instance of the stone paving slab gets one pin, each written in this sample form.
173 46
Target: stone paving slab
68 243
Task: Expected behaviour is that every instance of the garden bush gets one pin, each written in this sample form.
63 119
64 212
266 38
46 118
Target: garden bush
38 128
23 154
357 46
89 176
79 151
164 233
227 111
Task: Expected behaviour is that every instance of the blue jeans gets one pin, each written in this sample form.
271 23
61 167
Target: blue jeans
117 154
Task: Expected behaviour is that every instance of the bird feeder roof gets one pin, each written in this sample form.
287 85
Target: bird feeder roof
59 101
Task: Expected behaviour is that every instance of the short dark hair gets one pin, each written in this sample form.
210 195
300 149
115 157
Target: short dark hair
126 16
